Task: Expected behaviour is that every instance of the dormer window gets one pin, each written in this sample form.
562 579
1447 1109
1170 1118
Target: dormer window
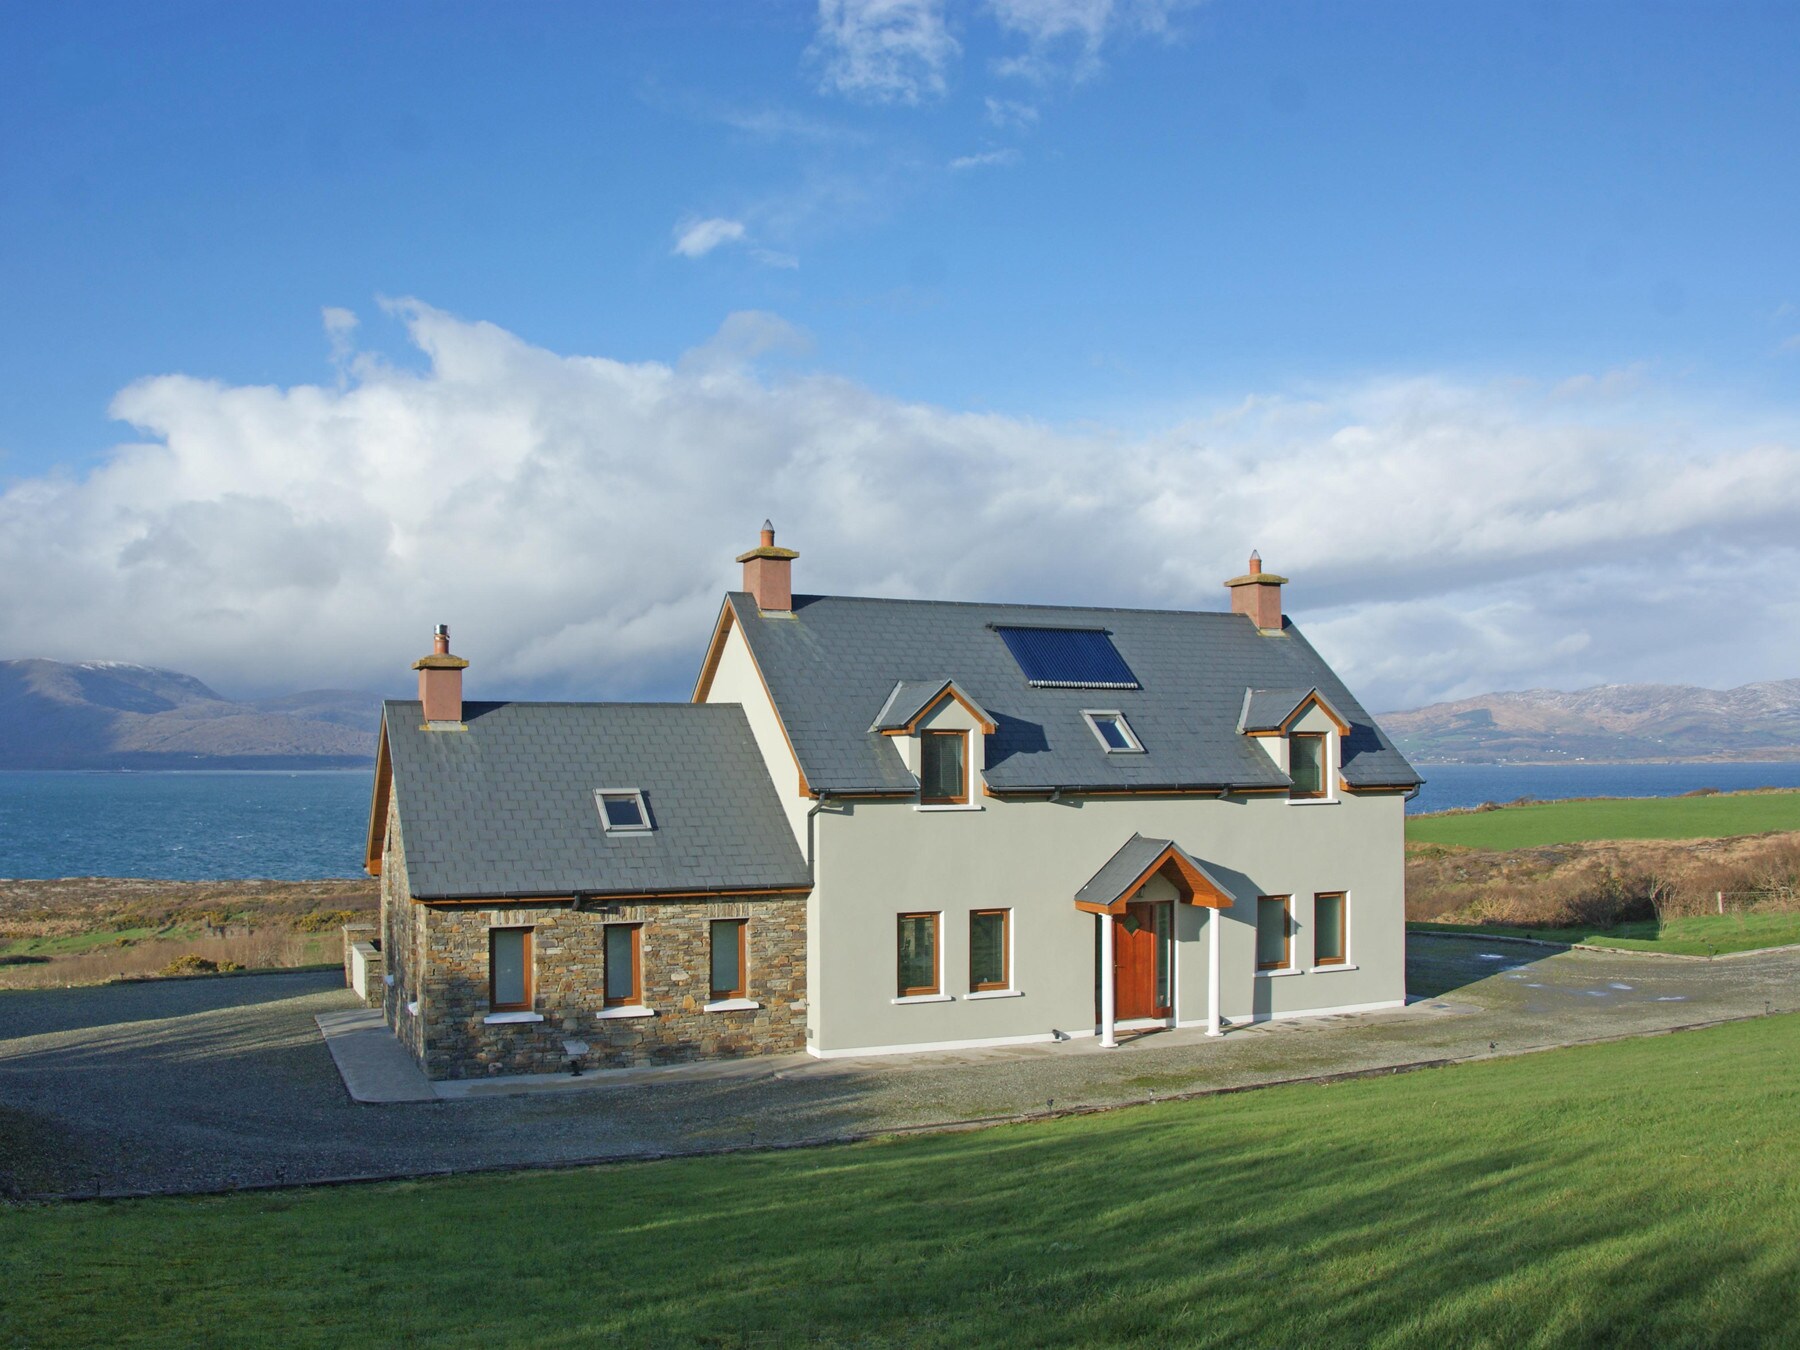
944 768
622 810
1306 763
1114 733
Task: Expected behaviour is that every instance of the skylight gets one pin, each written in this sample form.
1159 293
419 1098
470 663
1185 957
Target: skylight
1114 732
1067 658
622 810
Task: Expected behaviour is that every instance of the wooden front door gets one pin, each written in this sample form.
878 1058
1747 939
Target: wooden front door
1141 983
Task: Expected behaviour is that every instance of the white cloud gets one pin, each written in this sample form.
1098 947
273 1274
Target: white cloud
1011 114
696 238
1068 35
884 51
574 519
986 160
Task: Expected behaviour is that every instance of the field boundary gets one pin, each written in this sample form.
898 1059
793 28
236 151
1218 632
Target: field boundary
1411 931
869 1136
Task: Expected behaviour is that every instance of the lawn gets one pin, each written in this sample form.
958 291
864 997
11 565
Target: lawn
1642 1192
1570 822
1699 935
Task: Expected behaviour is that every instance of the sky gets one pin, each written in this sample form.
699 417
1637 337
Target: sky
325 323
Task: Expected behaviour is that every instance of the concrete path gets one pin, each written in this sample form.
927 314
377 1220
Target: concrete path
375 1066
194 1085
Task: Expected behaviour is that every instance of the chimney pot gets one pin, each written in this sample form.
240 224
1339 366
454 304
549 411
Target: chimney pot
768 573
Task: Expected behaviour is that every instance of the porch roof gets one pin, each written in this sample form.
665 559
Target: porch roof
1110 889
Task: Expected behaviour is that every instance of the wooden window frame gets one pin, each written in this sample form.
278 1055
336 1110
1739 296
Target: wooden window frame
1287 931
1324 740
636 997
937 954
526 961
1005 981
1343 955
962 798
743 958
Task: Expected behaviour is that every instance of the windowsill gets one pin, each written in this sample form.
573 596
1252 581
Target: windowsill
732 1005
922 998
948 806
1327 969
1312 801
501 1019
625 1010
1277 974
995 993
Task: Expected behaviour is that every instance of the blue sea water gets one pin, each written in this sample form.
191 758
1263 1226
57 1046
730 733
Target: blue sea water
302 826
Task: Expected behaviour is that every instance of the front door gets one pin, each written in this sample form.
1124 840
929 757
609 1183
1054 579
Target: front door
1141 955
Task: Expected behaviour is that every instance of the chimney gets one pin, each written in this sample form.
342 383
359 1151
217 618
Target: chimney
1258 594
440 683
768 574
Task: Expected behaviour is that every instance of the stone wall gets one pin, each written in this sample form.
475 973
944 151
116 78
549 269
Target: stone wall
569 963
402 940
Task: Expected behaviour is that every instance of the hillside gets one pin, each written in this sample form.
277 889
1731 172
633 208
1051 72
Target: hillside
111 715
1617 722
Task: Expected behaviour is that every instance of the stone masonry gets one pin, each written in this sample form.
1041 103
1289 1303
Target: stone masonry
568 956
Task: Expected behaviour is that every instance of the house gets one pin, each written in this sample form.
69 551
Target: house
892 825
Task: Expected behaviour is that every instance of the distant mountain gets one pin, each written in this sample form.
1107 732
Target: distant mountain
110 715
1616 722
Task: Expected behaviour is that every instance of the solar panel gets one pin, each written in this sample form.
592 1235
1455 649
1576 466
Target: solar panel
1067 658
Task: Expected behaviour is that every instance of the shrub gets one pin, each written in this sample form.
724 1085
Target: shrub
198 965
323 920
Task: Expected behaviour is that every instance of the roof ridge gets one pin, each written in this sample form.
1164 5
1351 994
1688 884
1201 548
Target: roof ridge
1016 604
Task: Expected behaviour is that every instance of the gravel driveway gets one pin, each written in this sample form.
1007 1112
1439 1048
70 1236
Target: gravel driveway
209 1084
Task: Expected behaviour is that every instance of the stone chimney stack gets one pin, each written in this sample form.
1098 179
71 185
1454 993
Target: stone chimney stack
1258 594
440 683
768 574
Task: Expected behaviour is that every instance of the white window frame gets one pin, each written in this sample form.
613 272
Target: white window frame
1133 746
637 795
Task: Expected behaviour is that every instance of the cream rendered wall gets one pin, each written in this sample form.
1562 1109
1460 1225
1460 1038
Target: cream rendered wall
736 681
882 858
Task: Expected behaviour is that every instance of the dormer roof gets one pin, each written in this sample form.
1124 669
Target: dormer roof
911 700
1272 712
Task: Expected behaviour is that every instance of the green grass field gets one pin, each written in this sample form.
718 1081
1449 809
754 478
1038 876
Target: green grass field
1611 818
1700 935
1643 1192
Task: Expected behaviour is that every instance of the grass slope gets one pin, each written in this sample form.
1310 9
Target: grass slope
1644 1192
1699 935
1611 818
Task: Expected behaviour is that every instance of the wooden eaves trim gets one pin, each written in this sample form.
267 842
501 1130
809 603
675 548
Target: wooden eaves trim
1078 790
606 897
715 651
949 690
378 807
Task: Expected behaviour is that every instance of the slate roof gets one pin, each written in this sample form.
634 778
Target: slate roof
837 657
1267 709
1128 864
507 807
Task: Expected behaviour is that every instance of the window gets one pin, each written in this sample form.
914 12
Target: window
509 969
988 957
622 810
1306 763
944 767
1329 912
624 984
918 966
728 966
1115 733
1067 658
1273 932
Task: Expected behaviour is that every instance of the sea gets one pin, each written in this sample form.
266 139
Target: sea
305 826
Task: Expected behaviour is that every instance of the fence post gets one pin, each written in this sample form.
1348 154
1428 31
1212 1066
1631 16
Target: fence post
1721 902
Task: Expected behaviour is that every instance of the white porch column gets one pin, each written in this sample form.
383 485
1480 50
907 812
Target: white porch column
1214 965
1107 1039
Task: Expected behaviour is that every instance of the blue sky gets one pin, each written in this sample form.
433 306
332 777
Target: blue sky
1109 227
